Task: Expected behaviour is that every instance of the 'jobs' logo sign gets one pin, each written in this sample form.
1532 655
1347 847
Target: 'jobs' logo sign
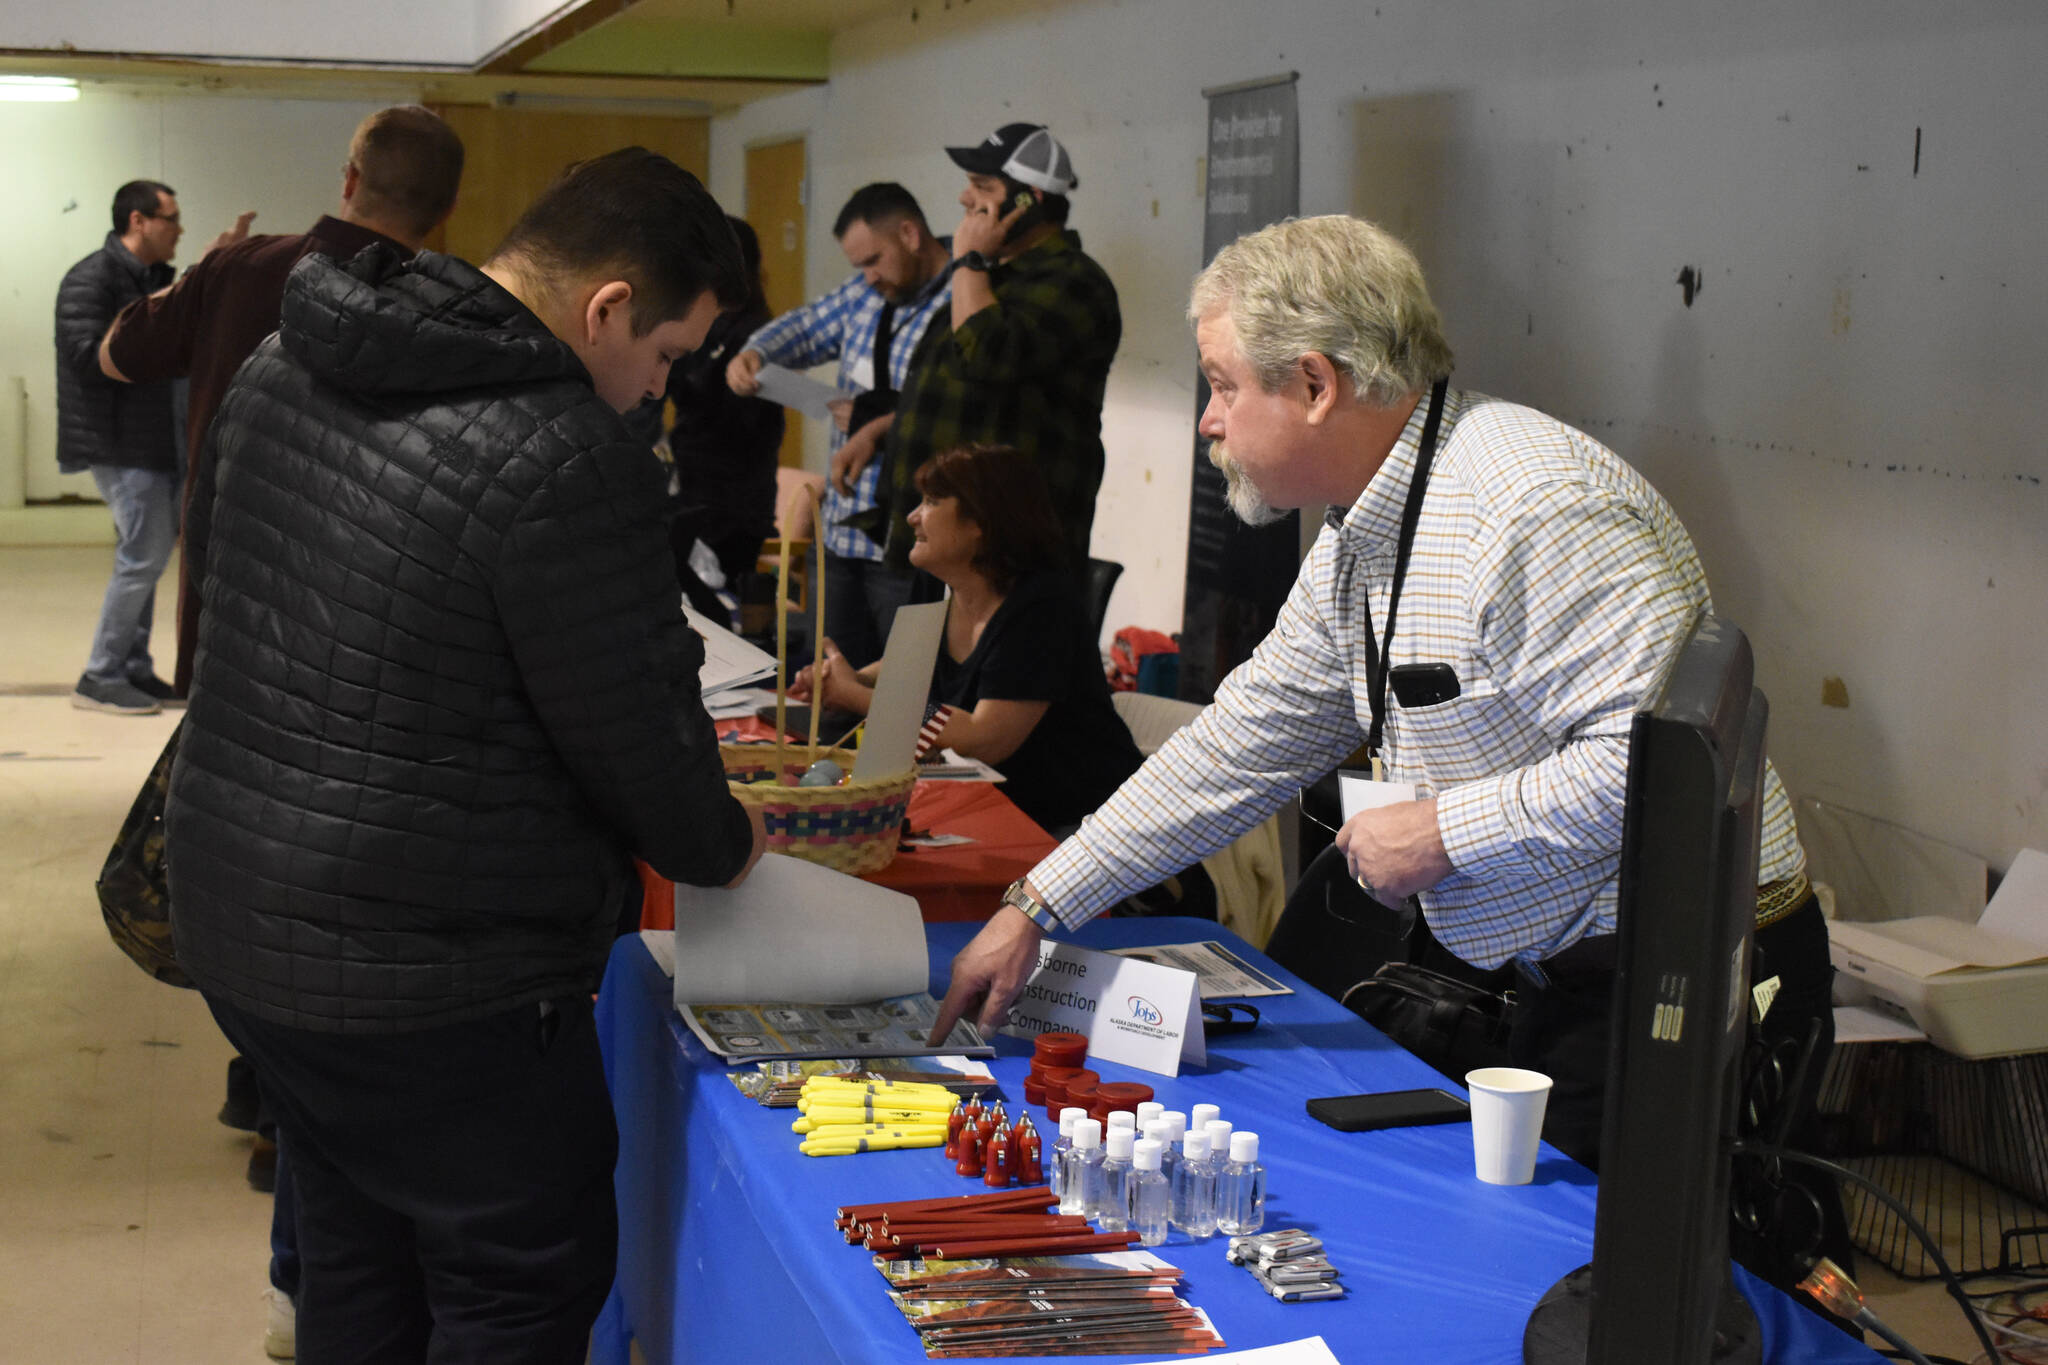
1145 1012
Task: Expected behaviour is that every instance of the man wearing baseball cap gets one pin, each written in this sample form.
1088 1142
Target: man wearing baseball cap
1034 326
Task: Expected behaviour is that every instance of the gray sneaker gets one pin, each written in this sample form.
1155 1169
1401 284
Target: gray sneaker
120 698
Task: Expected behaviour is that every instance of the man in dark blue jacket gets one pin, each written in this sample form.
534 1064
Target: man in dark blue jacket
444 694
126 435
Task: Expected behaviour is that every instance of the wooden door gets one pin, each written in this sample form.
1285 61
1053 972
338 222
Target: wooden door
775 210
511 155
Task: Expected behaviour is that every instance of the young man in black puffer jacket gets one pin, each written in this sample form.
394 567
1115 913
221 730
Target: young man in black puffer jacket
444 692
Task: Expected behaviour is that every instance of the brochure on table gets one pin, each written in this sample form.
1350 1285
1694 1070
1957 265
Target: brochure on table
803 961
1137 1013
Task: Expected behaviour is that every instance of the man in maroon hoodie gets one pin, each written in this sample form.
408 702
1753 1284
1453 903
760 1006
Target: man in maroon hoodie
404 165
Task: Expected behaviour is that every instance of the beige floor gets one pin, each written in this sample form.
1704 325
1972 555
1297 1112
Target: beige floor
127 1232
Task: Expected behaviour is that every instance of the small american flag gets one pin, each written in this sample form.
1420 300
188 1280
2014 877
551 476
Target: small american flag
935 717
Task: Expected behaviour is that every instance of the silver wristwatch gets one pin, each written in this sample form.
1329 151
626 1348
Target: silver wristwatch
1020 897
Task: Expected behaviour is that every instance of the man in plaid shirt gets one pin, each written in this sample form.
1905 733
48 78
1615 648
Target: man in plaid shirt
1547 575
1035 325
882 312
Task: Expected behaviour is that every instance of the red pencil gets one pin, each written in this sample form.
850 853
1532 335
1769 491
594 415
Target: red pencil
1030 1246
1040 1196
1026 1222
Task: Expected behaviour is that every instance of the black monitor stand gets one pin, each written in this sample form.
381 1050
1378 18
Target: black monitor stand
1562 1323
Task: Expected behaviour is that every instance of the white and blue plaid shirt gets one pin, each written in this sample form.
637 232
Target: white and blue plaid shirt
1555 581
841 326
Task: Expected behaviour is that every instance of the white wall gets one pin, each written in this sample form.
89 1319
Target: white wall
1848 415
282 158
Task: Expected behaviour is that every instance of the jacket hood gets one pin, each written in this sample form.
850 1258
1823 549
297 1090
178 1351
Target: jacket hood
383 323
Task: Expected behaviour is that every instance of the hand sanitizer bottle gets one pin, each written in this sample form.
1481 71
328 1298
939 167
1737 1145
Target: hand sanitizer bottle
1194 1189
1082 1191
1056 1168
1241 1189
1115 1215
1151 1200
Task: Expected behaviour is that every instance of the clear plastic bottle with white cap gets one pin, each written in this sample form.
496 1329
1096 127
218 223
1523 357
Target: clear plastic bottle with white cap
1151 1199
1199 1116
1062 1148
1081 1192
1119 1118
1219 1140
1194 1189
1241 1188
1161 1132
1149 1110
1176 1129
1115 1213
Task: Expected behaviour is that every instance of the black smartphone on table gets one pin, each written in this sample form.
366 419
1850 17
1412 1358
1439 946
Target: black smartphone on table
1389 1109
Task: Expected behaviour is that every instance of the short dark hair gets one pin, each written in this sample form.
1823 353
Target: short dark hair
1003 492
636 216
138 196
410 162
879 204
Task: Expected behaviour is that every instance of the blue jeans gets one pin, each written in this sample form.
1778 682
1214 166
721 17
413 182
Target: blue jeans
145 507
861 597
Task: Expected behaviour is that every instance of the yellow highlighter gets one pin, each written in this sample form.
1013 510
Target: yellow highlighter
823 1114
846 1094
921 1091
878 1143
905 1125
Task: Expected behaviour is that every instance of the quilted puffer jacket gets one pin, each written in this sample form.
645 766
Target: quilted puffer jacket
444 685
100 420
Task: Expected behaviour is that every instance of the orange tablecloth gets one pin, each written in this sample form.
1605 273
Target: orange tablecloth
964 881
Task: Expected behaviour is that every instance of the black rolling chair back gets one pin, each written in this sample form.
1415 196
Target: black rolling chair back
1101 582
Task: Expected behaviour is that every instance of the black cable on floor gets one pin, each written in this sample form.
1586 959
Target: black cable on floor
1948 1276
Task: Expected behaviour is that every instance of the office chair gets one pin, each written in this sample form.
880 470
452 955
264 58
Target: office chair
1099 584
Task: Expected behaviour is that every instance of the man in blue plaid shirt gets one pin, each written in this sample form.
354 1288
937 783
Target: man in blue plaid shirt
878 315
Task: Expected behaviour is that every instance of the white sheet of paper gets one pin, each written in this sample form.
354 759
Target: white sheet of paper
729 661
1134 1012
736 703
2020 907
799 932
1357 792
1307 1351
888 744
798 392
1862 1024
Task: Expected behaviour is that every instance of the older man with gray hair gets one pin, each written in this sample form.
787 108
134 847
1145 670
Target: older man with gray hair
1526 586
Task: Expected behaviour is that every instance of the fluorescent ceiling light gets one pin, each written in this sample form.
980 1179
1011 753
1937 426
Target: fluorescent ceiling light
38 89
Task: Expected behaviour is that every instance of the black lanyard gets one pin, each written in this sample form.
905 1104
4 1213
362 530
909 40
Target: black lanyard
1378 666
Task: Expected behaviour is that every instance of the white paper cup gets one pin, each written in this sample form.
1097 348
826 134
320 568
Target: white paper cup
1507 1122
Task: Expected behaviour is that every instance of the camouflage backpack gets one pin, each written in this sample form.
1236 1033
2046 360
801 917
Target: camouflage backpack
134 897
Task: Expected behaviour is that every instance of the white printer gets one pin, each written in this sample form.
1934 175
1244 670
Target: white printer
1977 990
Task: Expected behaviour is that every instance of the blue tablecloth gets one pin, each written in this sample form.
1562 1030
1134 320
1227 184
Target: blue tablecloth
727 1251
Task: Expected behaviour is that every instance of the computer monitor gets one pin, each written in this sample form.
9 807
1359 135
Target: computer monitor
1659 1287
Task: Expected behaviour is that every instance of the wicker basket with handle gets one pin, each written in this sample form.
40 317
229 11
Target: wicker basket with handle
852 827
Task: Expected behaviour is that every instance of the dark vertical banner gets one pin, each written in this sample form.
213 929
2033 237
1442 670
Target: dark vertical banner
1238 576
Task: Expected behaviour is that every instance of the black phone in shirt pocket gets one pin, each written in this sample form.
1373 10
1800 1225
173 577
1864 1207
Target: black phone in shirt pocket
1416 685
